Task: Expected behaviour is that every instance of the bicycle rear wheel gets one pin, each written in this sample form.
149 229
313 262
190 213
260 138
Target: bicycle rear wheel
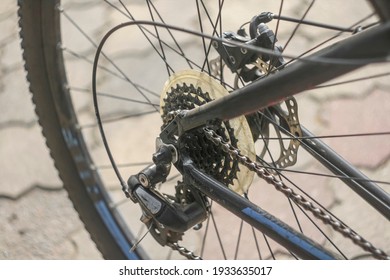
60 41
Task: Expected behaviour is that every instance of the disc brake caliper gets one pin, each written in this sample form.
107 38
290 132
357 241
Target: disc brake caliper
237 52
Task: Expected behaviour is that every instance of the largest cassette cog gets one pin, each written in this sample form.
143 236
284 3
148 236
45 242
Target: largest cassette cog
188 89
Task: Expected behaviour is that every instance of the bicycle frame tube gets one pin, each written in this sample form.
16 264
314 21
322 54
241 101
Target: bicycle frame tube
382 8
351 176
294 241
300 76
304 75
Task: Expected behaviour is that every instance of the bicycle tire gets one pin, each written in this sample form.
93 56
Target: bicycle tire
42 86
47 75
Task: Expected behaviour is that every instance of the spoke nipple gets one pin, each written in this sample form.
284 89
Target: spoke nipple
61 47
357 29
144 218
60 8
197 227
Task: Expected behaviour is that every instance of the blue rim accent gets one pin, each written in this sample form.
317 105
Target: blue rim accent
115 231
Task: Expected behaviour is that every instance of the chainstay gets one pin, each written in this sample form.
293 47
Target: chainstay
263 173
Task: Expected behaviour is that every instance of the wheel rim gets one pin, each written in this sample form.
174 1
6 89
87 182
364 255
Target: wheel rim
144 106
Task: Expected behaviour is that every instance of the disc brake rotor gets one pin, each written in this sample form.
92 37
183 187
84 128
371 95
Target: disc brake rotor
189 89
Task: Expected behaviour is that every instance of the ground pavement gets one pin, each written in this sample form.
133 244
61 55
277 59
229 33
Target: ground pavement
37 221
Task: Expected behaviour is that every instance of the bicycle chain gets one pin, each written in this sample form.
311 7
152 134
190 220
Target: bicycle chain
263 173
183 251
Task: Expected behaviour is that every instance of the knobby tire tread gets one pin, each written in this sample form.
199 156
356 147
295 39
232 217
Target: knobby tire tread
29 13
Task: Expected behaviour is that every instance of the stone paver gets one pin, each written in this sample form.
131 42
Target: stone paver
37 221
341 117
41 224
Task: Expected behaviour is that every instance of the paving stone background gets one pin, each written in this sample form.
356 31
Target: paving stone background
37 221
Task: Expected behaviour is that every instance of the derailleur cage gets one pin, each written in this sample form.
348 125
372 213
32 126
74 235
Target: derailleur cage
166 216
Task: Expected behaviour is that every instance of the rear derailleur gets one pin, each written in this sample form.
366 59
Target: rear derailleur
167 217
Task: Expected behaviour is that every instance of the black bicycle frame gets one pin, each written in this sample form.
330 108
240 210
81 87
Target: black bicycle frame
331 62
294 241
327 64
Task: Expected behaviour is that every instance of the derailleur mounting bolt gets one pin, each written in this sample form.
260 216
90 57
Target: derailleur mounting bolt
143 179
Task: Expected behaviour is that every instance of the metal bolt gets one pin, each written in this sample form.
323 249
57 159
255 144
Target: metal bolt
144 218
197 226
143 180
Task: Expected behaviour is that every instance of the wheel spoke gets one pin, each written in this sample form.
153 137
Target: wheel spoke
106 57
328 175
355 80
163 42
206 61
257 243
170 71
300 139
280 178
276 33
298 24
205 235
238 239
218 235
215 32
